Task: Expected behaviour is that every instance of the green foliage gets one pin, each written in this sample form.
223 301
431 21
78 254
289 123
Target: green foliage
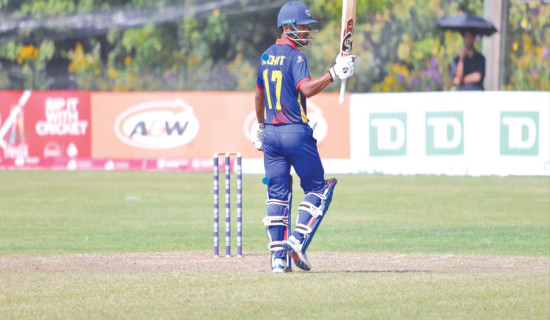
332 9
528 46
397 46
40 8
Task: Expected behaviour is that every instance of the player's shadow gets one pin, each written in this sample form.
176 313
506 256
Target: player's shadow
369 271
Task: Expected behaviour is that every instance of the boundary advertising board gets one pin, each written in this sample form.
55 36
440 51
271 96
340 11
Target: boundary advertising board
451 133
39 127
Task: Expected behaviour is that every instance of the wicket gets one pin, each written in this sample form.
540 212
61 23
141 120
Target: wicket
228 203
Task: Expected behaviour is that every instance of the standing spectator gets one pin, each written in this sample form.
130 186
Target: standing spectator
468 68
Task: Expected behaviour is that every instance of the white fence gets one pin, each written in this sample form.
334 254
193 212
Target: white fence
451 133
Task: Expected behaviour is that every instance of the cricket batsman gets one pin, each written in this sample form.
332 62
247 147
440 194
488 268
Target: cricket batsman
282 86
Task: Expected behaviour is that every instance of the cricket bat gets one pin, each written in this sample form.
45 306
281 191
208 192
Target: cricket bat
346 41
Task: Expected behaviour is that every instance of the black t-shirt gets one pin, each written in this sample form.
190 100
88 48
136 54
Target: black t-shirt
471 65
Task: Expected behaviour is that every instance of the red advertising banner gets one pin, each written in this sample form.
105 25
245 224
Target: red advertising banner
145 130
149 125
40 126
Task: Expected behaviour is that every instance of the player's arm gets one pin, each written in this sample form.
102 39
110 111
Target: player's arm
258 135
259 102
343 69
312 87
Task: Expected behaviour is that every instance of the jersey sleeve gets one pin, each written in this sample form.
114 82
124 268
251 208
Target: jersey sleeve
300 70
260 79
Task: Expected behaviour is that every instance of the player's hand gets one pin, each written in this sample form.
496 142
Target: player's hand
345 59
258 136
343 68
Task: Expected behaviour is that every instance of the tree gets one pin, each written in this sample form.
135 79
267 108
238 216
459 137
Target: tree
216 45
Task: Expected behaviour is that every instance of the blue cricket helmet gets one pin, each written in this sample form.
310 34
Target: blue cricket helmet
294 12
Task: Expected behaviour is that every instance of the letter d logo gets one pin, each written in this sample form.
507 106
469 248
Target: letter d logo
388 134
519 133
445 133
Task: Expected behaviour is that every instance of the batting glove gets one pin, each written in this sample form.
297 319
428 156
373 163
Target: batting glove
258 136
343 68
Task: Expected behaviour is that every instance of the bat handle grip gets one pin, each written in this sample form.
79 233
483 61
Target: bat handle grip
342 91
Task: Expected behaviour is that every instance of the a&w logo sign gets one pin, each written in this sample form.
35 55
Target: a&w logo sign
157 125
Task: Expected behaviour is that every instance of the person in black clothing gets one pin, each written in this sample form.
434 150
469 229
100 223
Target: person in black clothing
469 66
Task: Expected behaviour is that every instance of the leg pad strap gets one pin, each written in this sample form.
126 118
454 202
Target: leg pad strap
277 202
271 221
310 208
302 228
275 246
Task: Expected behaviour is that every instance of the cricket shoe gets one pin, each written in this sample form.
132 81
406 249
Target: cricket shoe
294 249
279 266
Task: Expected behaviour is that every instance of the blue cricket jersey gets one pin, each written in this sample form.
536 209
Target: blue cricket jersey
282 69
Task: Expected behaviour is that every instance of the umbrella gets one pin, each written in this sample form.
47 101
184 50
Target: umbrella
466 22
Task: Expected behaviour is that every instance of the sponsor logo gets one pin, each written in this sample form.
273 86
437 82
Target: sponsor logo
62 118
388 134
16 151
445 133
308 13
14 128
347 43
72 150
157 125
519 133
52 149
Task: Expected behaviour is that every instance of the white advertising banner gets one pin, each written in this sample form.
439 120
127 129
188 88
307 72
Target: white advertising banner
451 133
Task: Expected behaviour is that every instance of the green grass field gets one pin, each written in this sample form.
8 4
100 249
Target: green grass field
56 226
